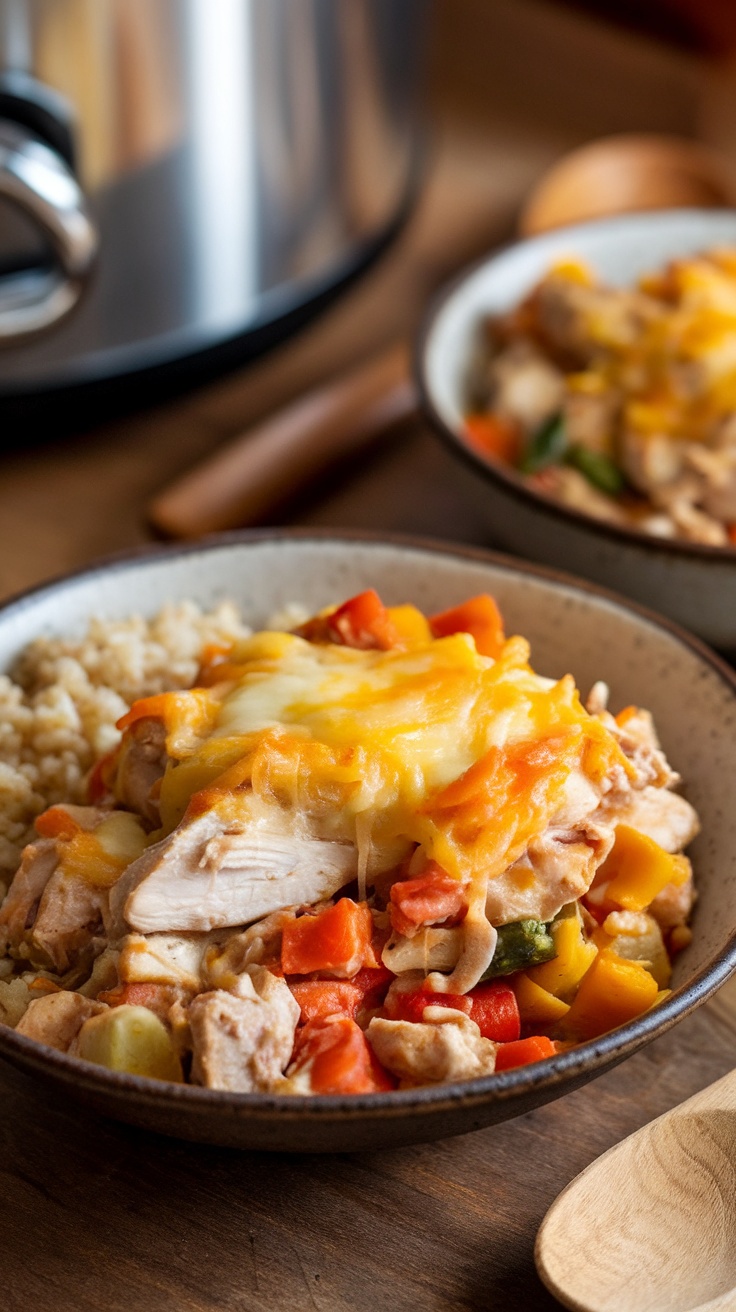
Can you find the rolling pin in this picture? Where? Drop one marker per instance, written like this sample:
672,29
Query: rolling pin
268,463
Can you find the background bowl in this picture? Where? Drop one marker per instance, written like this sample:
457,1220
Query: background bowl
571,627
694,584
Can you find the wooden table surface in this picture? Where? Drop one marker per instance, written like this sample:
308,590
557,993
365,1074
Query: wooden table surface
97,1215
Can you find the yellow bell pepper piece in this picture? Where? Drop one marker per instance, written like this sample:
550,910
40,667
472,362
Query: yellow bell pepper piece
412,626
536,1005
638,869
562,974
613,991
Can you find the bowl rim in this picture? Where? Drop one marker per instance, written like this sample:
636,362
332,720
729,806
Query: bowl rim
583,1061
507,478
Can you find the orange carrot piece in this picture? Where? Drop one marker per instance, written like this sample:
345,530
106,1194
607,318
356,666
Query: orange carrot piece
339,1058
523,1051
432,897
319,998
337,940
480,617
57,823
494,436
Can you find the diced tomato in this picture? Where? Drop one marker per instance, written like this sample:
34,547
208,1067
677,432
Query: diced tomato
373,984
411,1005
432,897
57,823
524,1051
339,1058
495,1011
363,622
480,617
336,940
319,998
495,436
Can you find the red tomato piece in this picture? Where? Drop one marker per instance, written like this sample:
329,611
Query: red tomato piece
339,1057
480,617
524,1051
363,622
411,1005
495,1011
432,897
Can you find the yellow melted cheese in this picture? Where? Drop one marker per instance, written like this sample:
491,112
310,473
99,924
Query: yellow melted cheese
436,745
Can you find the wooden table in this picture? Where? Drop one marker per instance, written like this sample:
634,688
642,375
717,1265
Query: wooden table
99,1216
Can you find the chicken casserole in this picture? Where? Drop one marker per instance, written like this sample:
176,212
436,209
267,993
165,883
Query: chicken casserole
620,402
376,851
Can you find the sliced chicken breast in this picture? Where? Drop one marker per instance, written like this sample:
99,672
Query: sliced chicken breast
205,876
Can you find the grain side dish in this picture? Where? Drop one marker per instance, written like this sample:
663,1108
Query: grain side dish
620,402
355,852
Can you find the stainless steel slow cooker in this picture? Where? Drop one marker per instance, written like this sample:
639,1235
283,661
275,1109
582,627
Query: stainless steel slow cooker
184,181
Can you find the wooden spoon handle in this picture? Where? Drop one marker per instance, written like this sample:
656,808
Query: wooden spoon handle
267,463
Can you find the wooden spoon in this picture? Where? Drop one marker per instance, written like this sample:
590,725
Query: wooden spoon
651,1225
617,175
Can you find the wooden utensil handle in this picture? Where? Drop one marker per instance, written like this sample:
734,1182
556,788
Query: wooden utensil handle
268,462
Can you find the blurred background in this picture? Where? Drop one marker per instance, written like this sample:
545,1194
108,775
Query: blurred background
207,209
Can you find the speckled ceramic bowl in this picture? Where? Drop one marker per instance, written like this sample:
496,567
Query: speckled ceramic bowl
693,584
571,627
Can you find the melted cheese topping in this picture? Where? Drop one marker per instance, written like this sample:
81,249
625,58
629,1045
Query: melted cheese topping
437,745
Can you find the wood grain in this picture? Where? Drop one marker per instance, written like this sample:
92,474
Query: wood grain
98,1215
651,1225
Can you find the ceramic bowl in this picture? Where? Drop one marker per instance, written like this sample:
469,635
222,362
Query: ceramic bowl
571,626
693,584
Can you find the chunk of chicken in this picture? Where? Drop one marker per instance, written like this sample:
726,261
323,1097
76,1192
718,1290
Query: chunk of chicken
57,1018
18,910
673,905
140,767
448,1045
524,386
205,876
660,814
242,1041
557,868
50,915
175,959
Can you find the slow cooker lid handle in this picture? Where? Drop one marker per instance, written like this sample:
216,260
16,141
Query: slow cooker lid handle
35,178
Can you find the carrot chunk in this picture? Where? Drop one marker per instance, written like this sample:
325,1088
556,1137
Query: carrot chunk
494,436
337,940
339,1058
363,622
319,998
495,1011
432,897
56,823
480,617
524,1051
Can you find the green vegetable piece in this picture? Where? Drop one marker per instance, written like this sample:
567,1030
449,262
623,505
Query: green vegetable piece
547,447
522,943
599,470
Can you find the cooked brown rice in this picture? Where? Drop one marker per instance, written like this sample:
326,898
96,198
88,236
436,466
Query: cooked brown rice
59,705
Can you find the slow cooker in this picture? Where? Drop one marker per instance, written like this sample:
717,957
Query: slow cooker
183,182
